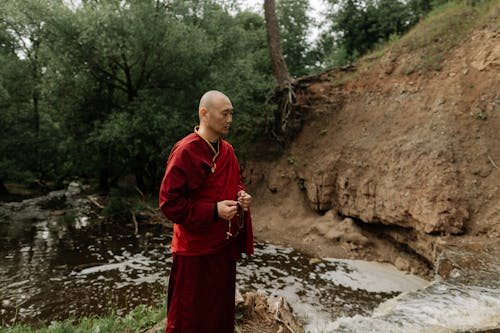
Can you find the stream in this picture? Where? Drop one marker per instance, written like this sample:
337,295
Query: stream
68,263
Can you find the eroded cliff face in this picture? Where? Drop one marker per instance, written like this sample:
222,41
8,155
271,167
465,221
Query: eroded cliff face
411,159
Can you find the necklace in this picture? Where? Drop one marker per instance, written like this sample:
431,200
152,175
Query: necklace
216,152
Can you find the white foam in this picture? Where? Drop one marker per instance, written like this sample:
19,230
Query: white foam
441,307
372,276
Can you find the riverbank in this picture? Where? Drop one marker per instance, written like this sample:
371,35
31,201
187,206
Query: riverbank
60,264
142,319
139,319
395,160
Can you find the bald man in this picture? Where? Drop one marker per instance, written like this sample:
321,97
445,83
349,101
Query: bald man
202,194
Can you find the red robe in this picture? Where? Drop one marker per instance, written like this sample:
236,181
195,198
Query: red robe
202,278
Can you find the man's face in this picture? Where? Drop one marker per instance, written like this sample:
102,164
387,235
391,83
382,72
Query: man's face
219,116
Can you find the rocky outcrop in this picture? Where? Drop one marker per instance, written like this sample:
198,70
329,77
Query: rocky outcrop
414,155
408,187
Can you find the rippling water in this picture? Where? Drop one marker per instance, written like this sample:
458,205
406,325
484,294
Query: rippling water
56,266
322,290
468,301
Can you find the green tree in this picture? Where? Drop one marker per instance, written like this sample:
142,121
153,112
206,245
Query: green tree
119,83
137,70
21,21
29,136
294,27
121,49
9,66
356,26
240,67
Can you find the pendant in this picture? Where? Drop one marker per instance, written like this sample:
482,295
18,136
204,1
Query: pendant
213,168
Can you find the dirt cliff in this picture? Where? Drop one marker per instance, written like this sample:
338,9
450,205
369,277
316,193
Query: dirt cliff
398,155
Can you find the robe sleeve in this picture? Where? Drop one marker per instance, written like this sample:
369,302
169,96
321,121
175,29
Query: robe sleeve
184,174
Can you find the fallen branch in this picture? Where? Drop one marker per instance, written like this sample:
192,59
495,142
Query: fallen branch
136,225
94,201
492,162
140,192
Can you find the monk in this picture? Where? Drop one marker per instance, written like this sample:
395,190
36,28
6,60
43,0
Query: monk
202,194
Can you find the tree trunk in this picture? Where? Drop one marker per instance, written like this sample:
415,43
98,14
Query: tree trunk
280,68
36,99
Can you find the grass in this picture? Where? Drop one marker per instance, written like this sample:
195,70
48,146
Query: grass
441,30
138,320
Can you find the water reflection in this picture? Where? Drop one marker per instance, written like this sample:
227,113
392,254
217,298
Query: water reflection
80,272
54,267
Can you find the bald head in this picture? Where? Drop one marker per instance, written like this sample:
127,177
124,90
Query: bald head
216,114
210,98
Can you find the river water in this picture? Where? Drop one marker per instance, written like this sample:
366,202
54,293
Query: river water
55,266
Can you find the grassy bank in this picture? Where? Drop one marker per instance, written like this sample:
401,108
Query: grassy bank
443,29
140,319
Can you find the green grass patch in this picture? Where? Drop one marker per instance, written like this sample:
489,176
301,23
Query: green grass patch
441,30
138,320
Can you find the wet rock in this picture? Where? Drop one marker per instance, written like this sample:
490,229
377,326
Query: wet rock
343,231
314,261
6,303
402,264
74,188
54,200
53,204
348,232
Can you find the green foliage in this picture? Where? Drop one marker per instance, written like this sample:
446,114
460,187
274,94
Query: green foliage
30,135
118,83
444,28
117,206
357,26
105,89
294,27
138,320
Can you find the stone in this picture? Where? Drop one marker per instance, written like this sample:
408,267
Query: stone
402,264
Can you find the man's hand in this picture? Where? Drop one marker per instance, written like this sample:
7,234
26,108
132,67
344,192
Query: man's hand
227,209
244,200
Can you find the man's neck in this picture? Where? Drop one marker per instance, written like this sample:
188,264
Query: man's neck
207,134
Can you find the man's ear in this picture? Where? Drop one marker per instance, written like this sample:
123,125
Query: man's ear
202,112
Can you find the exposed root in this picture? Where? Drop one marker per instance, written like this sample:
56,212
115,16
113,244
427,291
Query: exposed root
267,314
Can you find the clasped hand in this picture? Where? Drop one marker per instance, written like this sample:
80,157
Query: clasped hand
227,209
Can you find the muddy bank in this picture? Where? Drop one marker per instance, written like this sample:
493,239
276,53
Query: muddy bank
392,165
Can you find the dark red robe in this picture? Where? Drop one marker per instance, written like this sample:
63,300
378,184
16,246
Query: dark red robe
203,274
